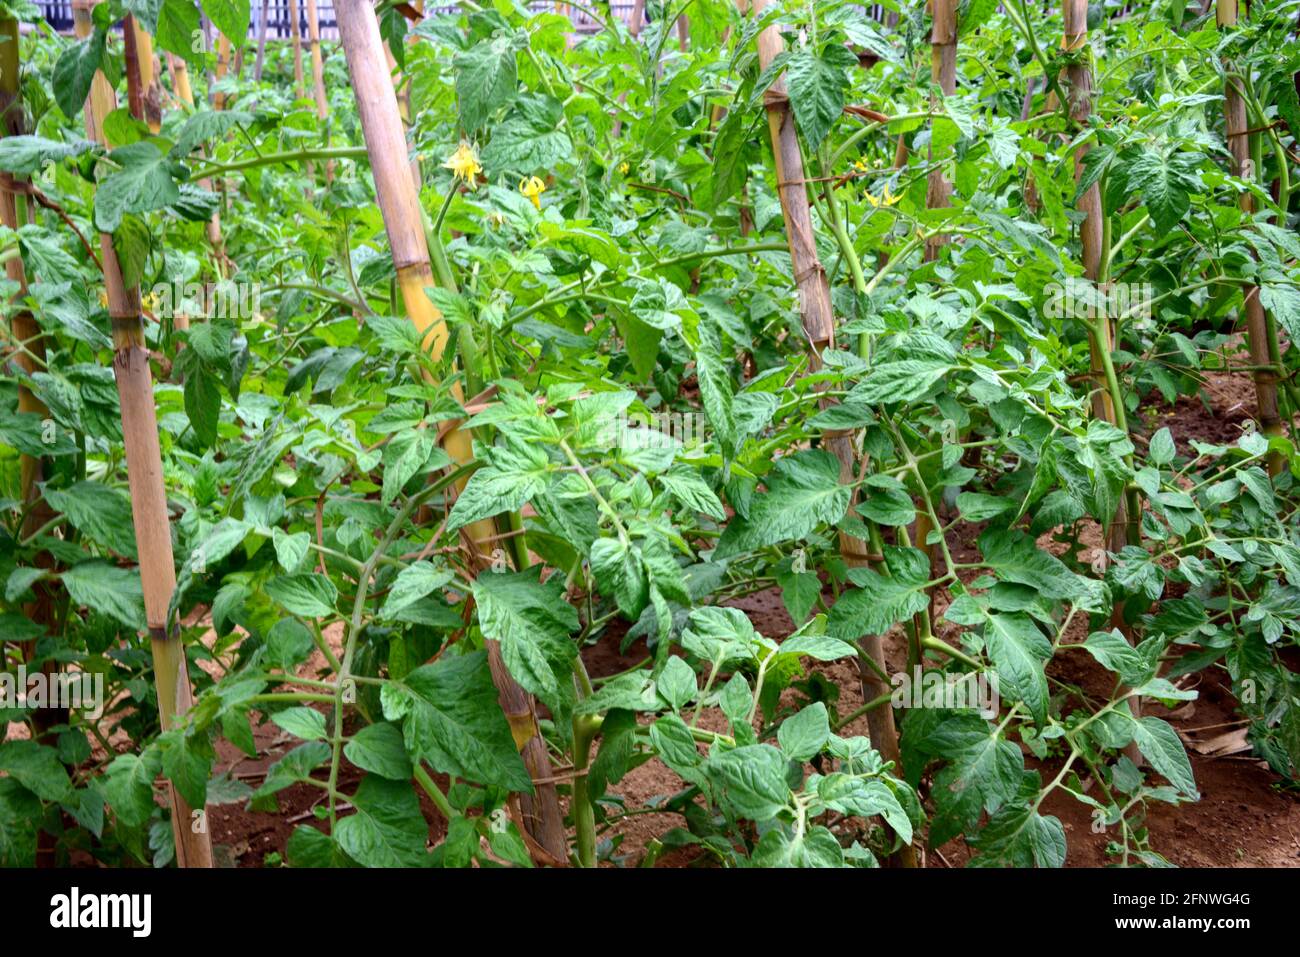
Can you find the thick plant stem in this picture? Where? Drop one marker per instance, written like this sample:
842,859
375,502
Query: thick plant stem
145,479
381,124
1258,339
584,812
819,329
31,359
1107,402
943,74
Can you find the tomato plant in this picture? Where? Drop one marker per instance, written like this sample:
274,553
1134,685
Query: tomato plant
375,390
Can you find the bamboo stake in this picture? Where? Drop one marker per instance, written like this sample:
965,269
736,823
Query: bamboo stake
180,74
295,31
381,125
223,66
819,328
31,359
318,78
181,84
943,73
144,476
1101,335
1257,324
149,86
261,42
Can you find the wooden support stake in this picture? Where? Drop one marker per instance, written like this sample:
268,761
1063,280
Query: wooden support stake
31,359
145,478
1257,325
381,124
819,329
943,73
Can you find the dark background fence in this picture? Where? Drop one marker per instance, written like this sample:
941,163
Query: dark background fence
58,13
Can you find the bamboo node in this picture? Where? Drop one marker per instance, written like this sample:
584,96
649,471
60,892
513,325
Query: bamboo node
773,97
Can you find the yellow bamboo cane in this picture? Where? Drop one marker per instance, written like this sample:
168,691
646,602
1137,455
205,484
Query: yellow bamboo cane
381,124
144,476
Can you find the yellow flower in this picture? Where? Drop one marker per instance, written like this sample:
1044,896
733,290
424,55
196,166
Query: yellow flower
623,168
533,189
497,218
464,164
889,199
860,166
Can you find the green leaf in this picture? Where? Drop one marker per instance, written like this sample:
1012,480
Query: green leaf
818,81
672,741
290,550
231,17
751,781
1113,651
805,734
816,846
202,395
533,623
408,453
109,590
379,748
486,80
1165,182
295,766
900,381
804,491
984,770
310,847
20,817
517,475
451,718
880,601
100,511
1019,649
676,683
307,594
412,583
1015,558
37,768
1162,447
691,490
187,759
529,140
28,154
717,398
1159,744
143,183
302,722
799,591
128,786
178,26
1018,836
620,573
886,502
977,507
387,829
74,72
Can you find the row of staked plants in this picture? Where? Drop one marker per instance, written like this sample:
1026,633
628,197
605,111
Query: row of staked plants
328,367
